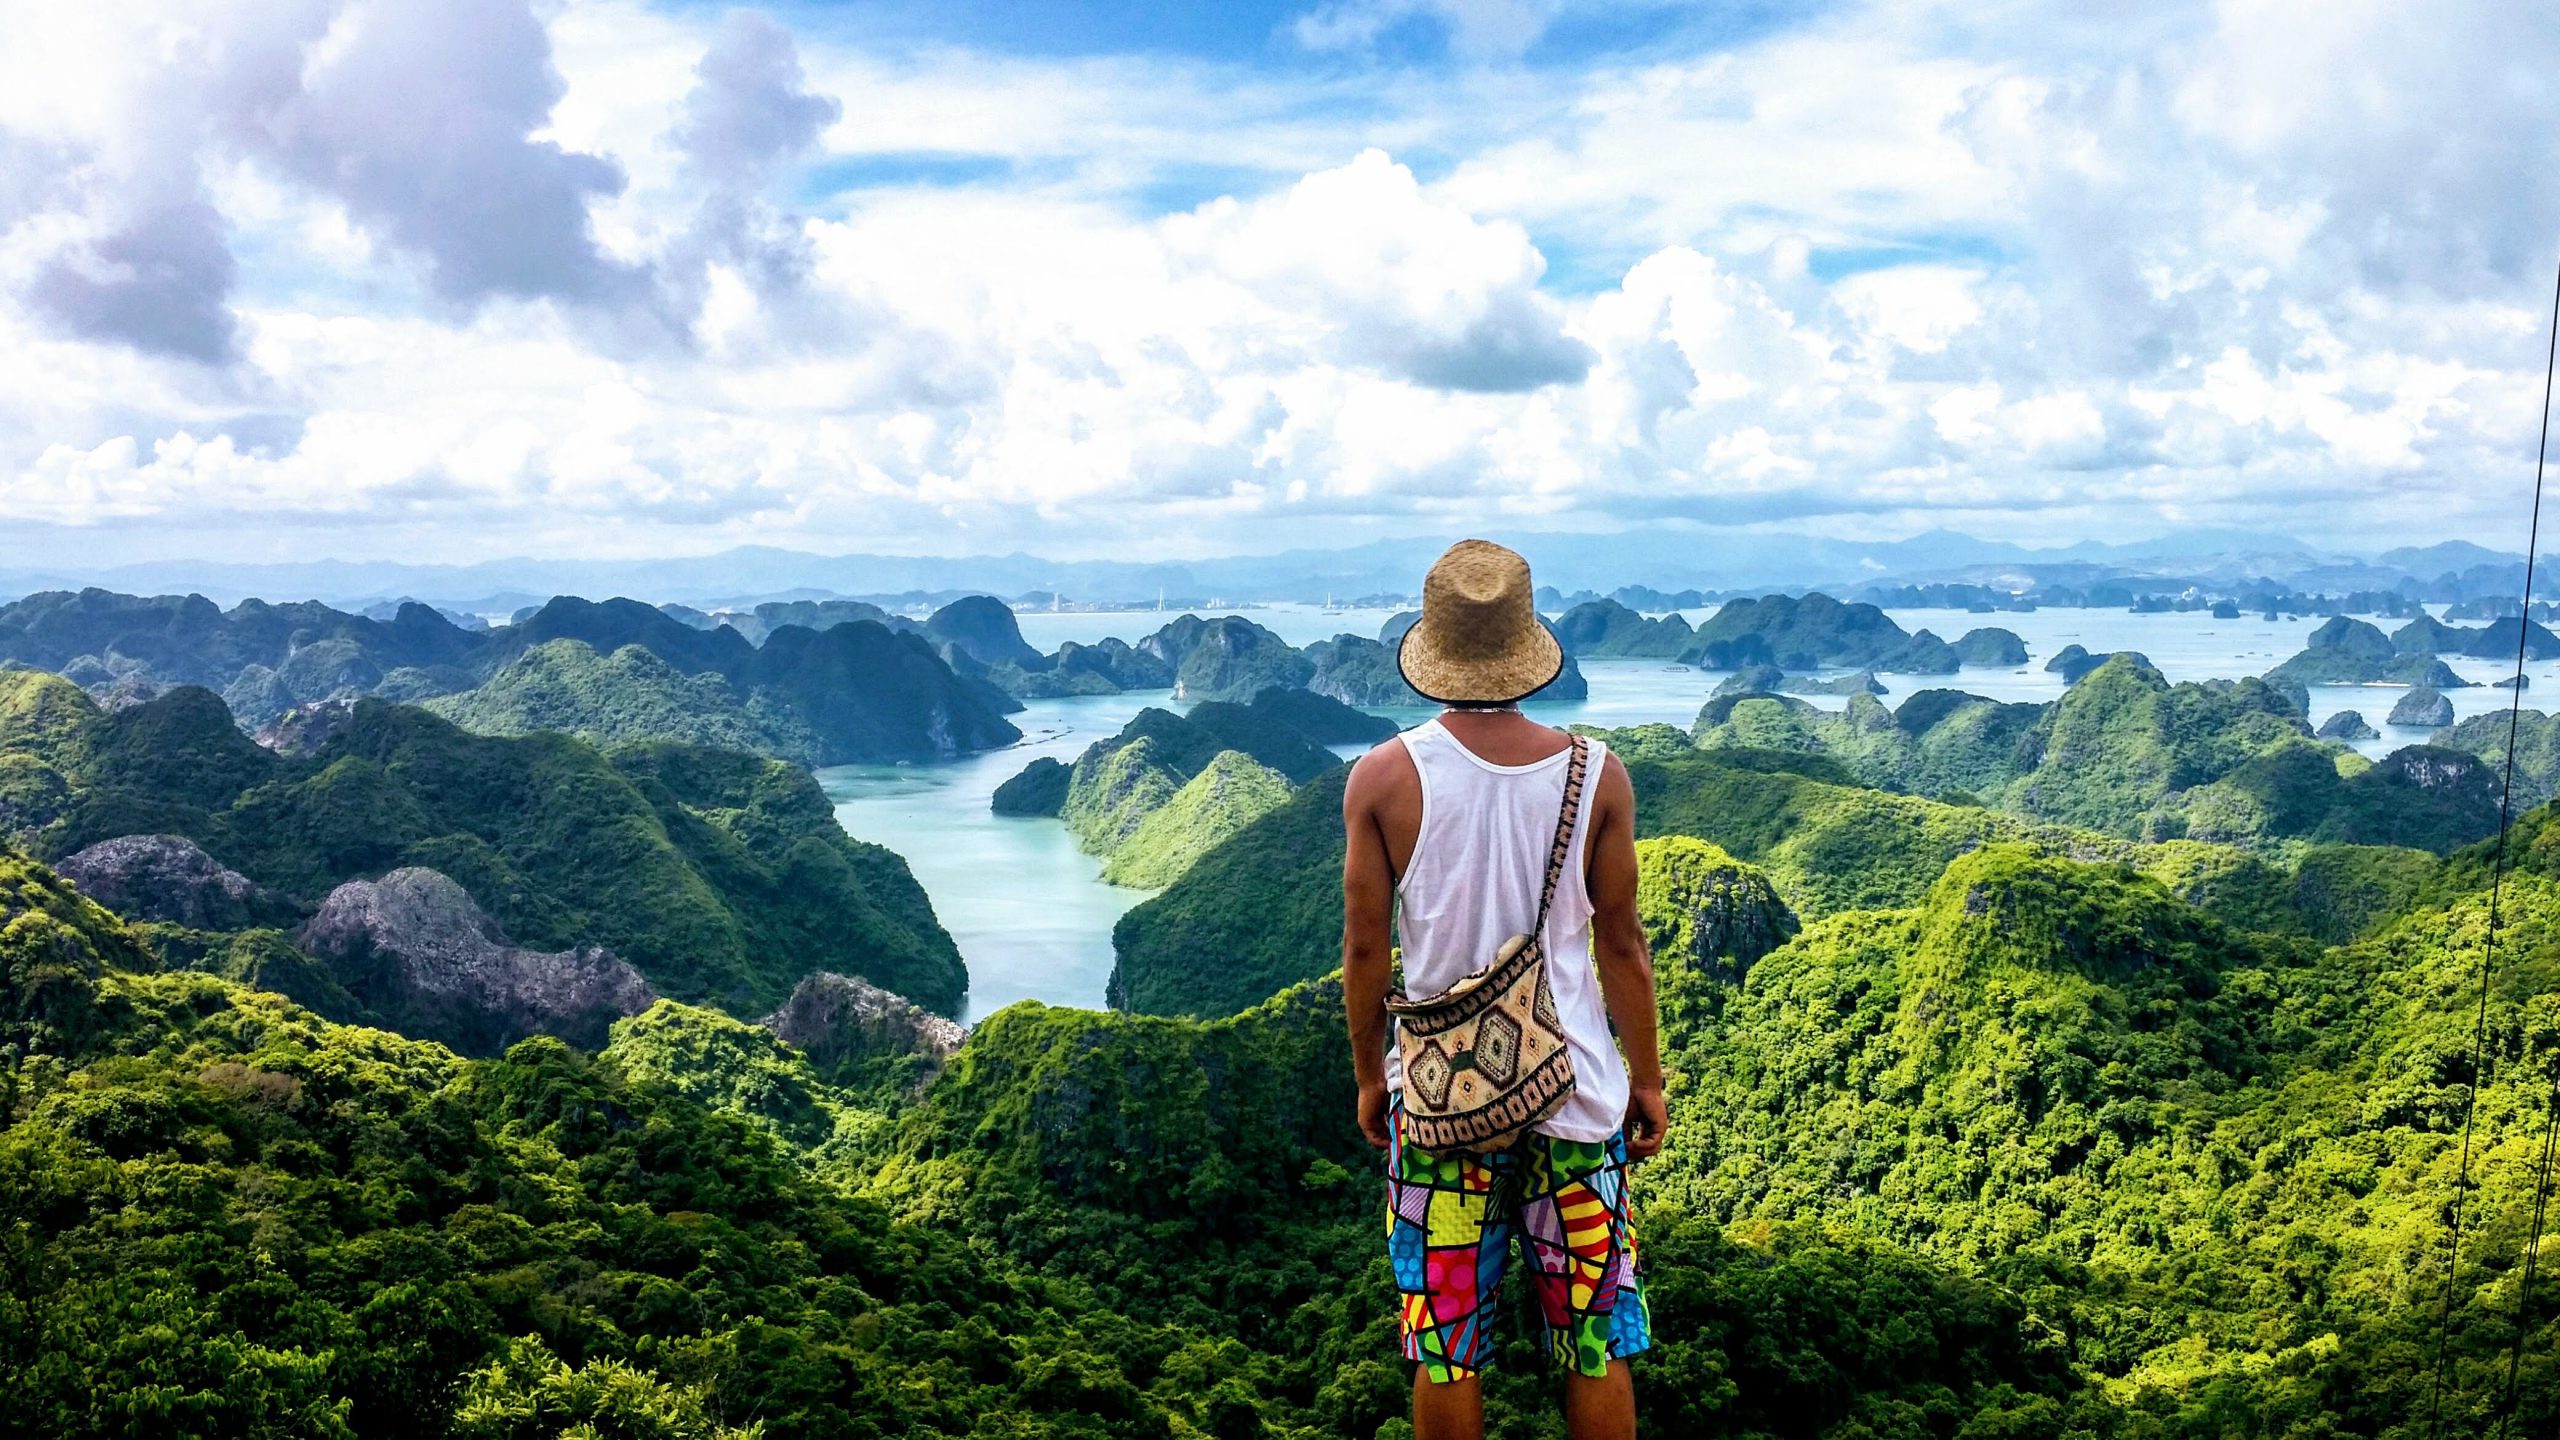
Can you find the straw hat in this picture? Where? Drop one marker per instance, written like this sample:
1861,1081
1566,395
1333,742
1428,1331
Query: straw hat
1479,641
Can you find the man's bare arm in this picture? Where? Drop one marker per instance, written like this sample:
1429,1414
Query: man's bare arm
1368,903
1625,962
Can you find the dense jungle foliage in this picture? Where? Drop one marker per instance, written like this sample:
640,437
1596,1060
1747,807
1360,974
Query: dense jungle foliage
2048,1152
2011,1120
232,1218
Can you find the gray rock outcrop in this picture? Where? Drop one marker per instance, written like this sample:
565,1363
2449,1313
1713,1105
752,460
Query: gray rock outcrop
167,878
415,949
2348,725
841,1022
304,728
2422,706
1705,911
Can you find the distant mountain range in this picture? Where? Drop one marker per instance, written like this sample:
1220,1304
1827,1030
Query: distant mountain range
1669,557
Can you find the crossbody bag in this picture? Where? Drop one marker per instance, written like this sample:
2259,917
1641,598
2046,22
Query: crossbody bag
1485,1061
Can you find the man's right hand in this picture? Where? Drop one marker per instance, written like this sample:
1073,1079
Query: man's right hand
1648,1121
1373,1113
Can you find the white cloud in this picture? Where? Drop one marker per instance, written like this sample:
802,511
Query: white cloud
1840,133
1920,308
1881,269
1383,276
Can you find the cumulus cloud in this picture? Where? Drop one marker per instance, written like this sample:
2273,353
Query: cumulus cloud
2399,126
419,122
750,109
1396,280
450,273
749,114
422,120
159,281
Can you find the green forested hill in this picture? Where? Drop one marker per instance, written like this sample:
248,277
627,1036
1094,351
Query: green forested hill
861,688
2039,1150
1264,910
1209,1173
232,1218
1231,792
1809,632
1156,796
721,876
1258,914
1987,1122
621,698
2537,748
2125,752
2217,1168
2213,1165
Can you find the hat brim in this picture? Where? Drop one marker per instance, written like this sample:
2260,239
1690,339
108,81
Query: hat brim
1529,665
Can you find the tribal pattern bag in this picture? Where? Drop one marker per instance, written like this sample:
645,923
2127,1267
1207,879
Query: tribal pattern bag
1485,1060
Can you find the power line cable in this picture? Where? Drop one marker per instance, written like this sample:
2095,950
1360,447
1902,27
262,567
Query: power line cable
2497,884
2532,1250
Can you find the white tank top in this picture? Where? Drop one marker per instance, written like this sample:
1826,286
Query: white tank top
1473,883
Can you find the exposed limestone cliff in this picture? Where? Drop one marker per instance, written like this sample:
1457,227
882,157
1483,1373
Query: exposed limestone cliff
842,1023
166,878
416,949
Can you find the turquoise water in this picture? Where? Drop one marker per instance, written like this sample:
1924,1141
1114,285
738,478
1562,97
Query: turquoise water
1027,908
1033,919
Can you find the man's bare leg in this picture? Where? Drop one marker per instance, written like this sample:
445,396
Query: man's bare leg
1449,1410
1597,1407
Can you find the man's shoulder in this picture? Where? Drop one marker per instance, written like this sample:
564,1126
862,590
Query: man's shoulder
1597,746
1384,763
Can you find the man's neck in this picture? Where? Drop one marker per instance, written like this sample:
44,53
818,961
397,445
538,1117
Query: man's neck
1493,734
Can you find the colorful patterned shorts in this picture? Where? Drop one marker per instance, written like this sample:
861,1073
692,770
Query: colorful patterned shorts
1450,1221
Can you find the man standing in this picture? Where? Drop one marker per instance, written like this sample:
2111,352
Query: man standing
1451,826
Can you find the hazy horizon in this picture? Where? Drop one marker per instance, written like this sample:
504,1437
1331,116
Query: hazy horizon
2188,540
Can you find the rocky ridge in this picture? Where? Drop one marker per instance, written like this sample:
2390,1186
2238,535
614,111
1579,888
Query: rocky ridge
840,1021
166,878
415,948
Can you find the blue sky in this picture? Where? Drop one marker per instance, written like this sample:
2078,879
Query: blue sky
1380,50
1268,33
440,279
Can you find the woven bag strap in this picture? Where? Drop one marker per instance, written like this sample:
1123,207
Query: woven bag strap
1573,778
